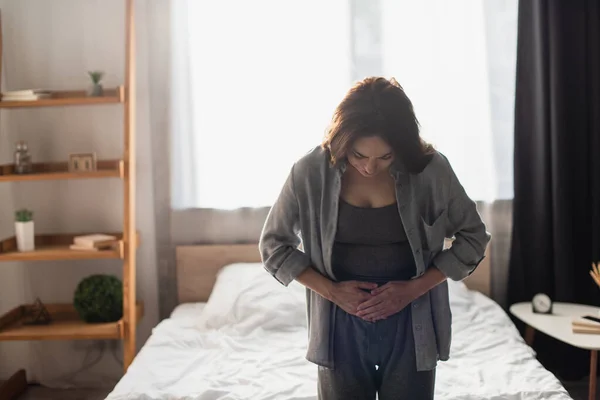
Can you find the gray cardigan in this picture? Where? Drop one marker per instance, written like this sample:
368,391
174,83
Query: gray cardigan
432,205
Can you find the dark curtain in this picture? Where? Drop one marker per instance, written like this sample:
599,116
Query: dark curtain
556,209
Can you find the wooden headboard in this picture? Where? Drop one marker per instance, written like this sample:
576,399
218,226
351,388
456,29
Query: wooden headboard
198,265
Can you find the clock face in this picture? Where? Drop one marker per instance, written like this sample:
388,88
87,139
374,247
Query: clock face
541,303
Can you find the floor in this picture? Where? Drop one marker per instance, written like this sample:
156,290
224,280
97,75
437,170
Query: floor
579,390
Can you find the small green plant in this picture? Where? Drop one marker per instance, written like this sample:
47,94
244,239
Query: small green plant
23,215
96,76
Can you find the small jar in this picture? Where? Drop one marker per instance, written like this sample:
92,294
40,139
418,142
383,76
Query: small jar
22,158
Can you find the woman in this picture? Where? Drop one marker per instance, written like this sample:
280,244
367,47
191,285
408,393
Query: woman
373,205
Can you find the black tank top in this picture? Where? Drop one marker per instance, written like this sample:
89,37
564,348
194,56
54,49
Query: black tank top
371,245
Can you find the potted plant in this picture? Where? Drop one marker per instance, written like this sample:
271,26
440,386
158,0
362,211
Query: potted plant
96,89
24,230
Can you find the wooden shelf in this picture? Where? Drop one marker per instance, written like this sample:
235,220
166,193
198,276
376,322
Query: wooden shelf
70,98
56,247
65,325
60,171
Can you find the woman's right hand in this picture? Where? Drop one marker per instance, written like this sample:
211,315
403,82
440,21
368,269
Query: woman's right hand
348,295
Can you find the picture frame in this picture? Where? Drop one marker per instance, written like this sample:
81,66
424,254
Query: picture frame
82,162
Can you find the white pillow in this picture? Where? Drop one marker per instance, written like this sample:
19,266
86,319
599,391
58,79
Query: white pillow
231,279
187,310
246,297
267,304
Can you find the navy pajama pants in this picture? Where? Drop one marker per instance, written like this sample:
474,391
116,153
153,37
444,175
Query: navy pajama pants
374,358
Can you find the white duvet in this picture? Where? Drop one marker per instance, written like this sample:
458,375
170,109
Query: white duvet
241,347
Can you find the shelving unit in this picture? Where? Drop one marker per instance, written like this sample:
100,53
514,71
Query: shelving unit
66,324
56,247
60,171
70,98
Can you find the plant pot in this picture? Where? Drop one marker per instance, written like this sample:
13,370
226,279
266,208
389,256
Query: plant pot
96,90
25,234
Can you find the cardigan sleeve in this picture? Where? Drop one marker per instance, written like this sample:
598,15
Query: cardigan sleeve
280,237
466,226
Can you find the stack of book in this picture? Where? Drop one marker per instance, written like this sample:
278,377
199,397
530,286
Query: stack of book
25,95
93,242
586,324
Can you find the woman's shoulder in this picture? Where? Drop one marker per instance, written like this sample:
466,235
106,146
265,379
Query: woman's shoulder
438,166
311,171
313,161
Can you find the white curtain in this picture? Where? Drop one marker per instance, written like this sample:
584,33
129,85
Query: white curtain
255,84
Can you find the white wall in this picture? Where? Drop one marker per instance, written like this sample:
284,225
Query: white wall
11,274
52,44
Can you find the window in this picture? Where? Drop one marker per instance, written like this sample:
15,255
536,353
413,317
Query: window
255,85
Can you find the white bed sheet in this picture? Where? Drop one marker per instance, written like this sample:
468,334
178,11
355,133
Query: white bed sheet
489,360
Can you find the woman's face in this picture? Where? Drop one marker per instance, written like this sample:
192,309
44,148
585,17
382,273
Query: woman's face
370,156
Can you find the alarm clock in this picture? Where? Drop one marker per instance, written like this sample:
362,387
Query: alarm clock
541,304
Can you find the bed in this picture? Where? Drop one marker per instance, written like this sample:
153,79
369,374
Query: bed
225,341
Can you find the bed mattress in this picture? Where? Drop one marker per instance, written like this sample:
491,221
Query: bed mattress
489,360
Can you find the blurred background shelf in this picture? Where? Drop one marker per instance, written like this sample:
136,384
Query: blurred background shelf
56,247
65,325
60,171
70,98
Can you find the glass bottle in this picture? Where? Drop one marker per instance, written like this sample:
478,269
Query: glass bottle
22,158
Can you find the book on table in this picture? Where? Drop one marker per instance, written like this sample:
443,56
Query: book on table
586,324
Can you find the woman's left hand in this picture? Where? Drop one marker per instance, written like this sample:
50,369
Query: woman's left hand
388,300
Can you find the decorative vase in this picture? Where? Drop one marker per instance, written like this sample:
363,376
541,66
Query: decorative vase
96,90
24,232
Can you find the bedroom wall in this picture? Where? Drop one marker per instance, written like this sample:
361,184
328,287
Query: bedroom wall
52,44
11,274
